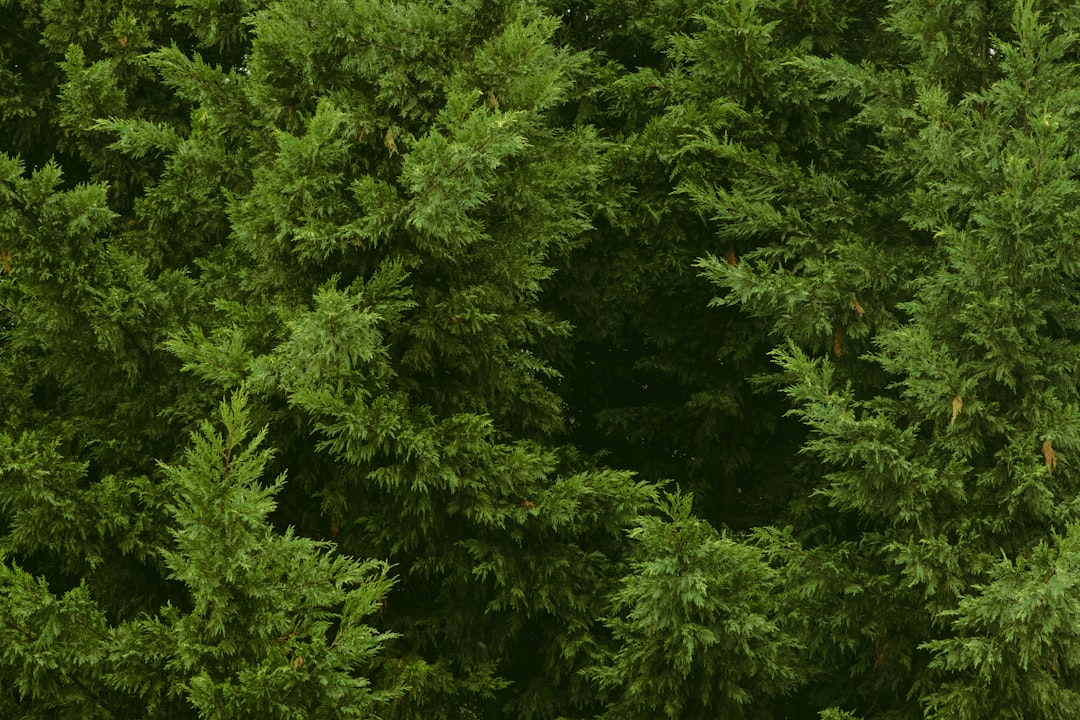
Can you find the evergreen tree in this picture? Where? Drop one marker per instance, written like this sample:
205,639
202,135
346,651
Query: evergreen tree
348,209
258,623
696,624
946,489
455,263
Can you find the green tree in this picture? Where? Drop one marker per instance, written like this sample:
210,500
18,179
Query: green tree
695,620
350,210
458,260
257,624
947,488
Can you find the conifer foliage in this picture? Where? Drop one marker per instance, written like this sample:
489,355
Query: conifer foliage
949,481
345,213
258,624
478,359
